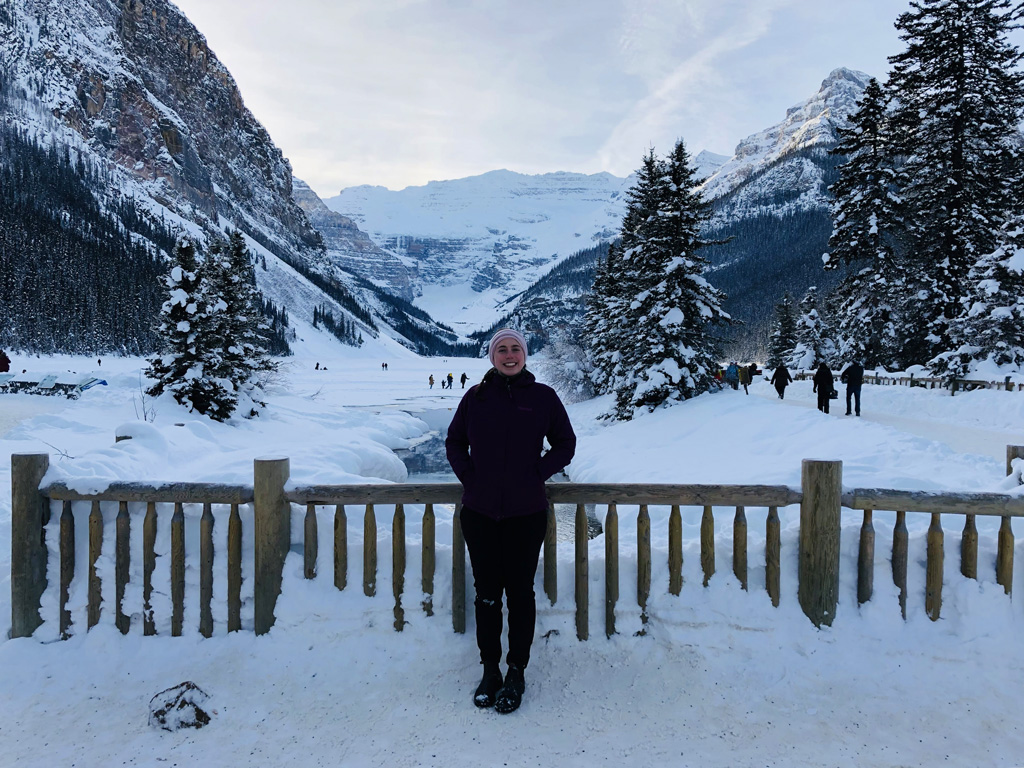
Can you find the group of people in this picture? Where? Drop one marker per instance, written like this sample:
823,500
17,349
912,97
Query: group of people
735,374
824,385
447,382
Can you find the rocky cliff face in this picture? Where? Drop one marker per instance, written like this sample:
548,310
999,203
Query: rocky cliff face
352,249
134,84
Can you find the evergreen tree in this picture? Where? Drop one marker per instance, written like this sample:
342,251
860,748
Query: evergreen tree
658,308
960,102
190,360
604,321
783,340
814,344
992,328
867,229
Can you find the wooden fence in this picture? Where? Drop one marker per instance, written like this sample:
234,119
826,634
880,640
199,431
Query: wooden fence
821,498
928,382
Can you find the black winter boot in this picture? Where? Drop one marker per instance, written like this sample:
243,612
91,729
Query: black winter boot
489,686
511,694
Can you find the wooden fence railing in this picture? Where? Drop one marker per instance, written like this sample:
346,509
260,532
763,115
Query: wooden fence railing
821,500
928,382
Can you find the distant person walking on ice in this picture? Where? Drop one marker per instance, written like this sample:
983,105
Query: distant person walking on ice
464,379
824,385
853,378
451,380
431,380
781,379
495,445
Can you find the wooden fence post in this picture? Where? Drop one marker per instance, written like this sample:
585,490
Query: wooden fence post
818,588
1013,452
271,537
29,513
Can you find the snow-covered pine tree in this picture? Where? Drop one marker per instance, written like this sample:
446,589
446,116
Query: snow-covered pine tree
190,357
956,119
783,339
992,329
867,226
674,309
237,326
814,344
602,322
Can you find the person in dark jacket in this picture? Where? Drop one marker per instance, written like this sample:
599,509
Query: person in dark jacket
824,385
495,446
781,378
853,378
5,362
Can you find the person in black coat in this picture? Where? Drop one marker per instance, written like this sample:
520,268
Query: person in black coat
824,385
781,378
495,446
853,378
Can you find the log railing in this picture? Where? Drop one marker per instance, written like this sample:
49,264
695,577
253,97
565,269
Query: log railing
272,498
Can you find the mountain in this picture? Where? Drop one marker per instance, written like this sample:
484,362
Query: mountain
125,103
472,243
769,201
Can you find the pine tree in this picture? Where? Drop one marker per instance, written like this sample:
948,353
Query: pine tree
661,309
960,102
783,340
992,329
190,359
868,226
814,344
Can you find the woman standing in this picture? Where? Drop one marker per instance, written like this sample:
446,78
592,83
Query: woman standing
495,446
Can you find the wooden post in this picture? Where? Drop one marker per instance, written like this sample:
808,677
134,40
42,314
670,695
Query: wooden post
818,586
1013,452
340,547
122,565
900,549
551,556
773,555
234,570
398,564
148,566
866,559
29,515
933,569
206,571
458,573
1004,556
67,565
969,548
310,542
95,550
429,559
271,537
177,570
739,547
643,561
675,551
707,544
582,575
369,552
611,568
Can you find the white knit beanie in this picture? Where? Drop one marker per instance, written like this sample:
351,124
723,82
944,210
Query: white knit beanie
497,338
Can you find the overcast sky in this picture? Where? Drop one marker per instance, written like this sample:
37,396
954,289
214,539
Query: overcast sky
402,92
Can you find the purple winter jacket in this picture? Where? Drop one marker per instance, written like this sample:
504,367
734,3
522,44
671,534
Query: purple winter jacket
495,441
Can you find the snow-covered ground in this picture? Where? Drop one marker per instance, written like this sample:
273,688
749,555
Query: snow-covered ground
721,678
